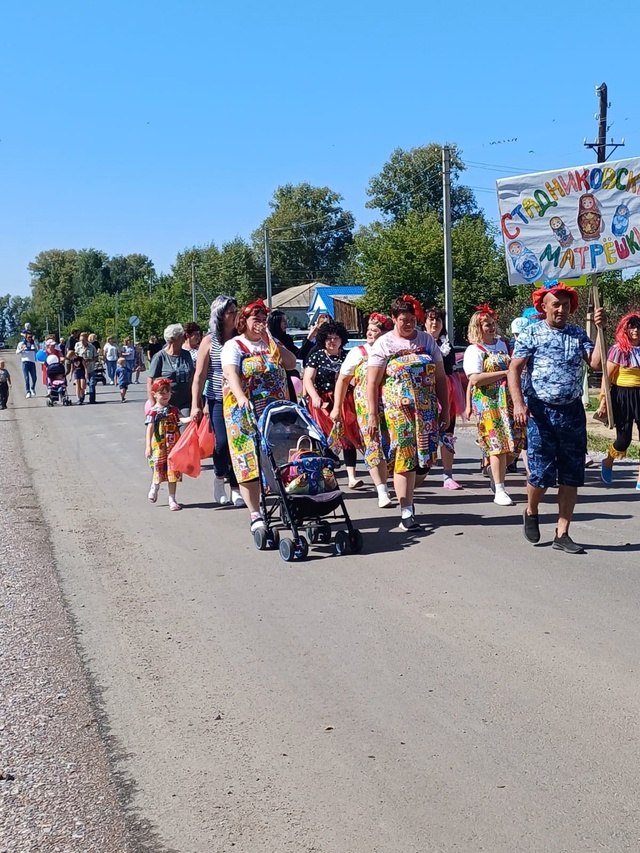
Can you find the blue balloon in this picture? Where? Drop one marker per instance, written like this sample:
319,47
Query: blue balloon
41,356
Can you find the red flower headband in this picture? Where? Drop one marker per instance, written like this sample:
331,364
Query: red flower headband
486,310
160,383
259,303
381,320
417,307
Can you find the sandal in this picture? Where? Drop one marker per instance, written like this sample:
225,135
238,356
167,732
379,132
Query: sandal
357,484
153,494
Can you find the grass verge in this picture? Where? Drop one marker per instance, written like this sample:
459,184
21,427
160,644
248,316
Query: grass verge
601,444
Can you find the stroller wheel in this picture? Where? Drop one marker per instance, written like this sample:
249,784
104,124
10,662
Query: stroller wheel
341,543
355,541
49,401
260,538
313,534
324,533
287,550
302,548
273,538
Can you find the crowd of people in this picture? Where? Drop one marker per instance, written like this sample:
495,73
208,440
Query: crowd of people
394,399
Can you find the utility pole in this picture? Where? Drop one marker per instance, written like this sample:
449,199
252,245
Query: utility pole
448,262
267,265
194,301
116,318
600,148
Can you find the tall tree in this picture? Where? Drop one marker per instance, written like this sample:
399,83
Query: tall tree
91,275
310,235
123,270
53,282
412,181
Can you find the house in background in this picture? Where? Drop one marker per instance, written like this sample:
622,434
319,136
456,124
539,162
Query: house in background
338,303
295,301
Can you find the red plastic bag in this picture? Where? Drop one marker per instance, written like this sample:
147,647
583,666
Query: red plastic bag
206,438
185,453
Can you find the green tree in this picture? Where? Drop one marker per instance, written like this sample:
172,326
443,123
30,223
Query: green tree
53,282
412,181
310,235
123,270
91,276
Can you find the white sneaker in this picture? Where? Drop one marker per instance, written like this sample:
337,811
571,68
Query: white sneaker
220,491
384,500
27,395
33,393
236,498
502,499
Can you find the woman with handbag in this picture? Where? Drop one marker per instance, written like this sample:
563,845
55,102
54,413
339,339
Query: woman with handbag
254,367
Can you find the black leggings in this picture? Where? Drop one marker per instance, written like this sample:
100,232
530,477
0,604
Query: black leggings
624,436
221,458
350,456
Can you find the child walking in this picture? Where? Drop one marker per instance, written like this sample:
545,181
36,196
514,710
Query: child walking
163,429
123,378
5,384
79,372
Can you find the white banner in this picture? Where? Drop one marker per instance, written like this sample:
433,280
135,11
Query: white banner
571,222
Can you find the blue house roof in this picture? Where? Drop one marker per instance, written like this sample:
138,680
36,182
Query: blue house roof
325,294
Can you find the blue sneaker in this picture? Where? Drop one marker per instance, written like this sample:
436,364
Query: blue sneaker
606,474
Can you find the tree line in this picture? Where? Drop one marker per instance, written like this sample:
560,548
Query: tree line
312,238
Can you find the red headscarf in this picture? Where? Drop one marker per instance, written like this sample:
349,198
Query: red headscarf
538,295
621,337
381,320
259,303
417,307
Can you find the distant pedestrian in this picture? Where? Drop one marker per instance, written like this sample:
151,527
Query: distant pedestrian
192,340
27,350
127,352
111,358
163,429
89,355
5,385
138,362
153,346
122,378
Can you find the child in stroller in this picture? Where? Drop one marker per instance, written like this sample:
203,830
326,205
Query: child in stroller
56,383
297,481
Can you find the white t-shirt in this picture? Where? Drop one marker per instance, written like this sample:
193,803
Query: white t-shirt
353,359
473,356
110,352
233,354
390,344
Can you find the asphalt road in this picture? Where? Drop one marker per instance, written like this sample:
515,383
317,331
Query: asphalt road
456,690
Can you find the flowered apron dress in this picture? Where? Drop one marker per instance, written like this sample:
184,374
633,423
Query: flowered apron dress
411,410
373,451
264,381
493,409
166,431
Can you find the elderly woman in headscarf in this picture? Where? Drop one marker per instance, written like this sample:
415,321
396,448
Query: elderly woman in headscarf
222,328
352,386
254,367
173,363
407,365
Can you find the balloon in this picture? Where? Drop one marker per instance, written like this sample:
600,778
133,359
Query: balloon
52,359
41,356
147,407
297,384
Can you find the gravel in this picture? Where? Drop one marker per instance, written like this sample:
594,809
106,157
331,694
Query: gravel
57,791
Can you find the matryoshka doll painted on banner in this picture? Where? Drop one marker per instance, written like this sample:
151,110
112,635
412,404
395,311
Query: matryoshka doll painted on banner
620,221
562,233
589,217
525,262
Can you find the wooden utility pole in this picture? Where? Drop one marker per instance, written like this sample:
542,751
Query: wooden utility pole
446,220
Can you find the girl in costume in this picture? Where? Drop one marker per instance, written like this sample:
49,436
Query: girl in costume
407,364
254,368
319,382
486,363
435,325
623,369
353,375
163,430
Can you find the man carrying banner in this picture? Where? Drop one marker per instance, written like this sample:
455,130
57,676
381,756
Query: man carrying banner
548,400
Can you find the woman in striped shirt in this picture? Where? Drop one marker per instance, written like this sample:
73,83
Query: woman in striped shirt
222,327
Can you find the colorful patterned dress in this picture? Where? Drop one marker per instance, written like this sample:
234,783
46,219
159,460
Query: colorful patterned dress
166,431
374,451
264,381
493,409
411,410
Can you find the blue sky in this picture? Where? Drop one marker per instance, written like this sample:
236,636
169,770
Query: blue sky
151,126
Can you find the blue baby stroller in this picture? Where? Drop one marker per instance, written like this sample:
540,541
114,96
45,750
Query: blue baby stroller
297,482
